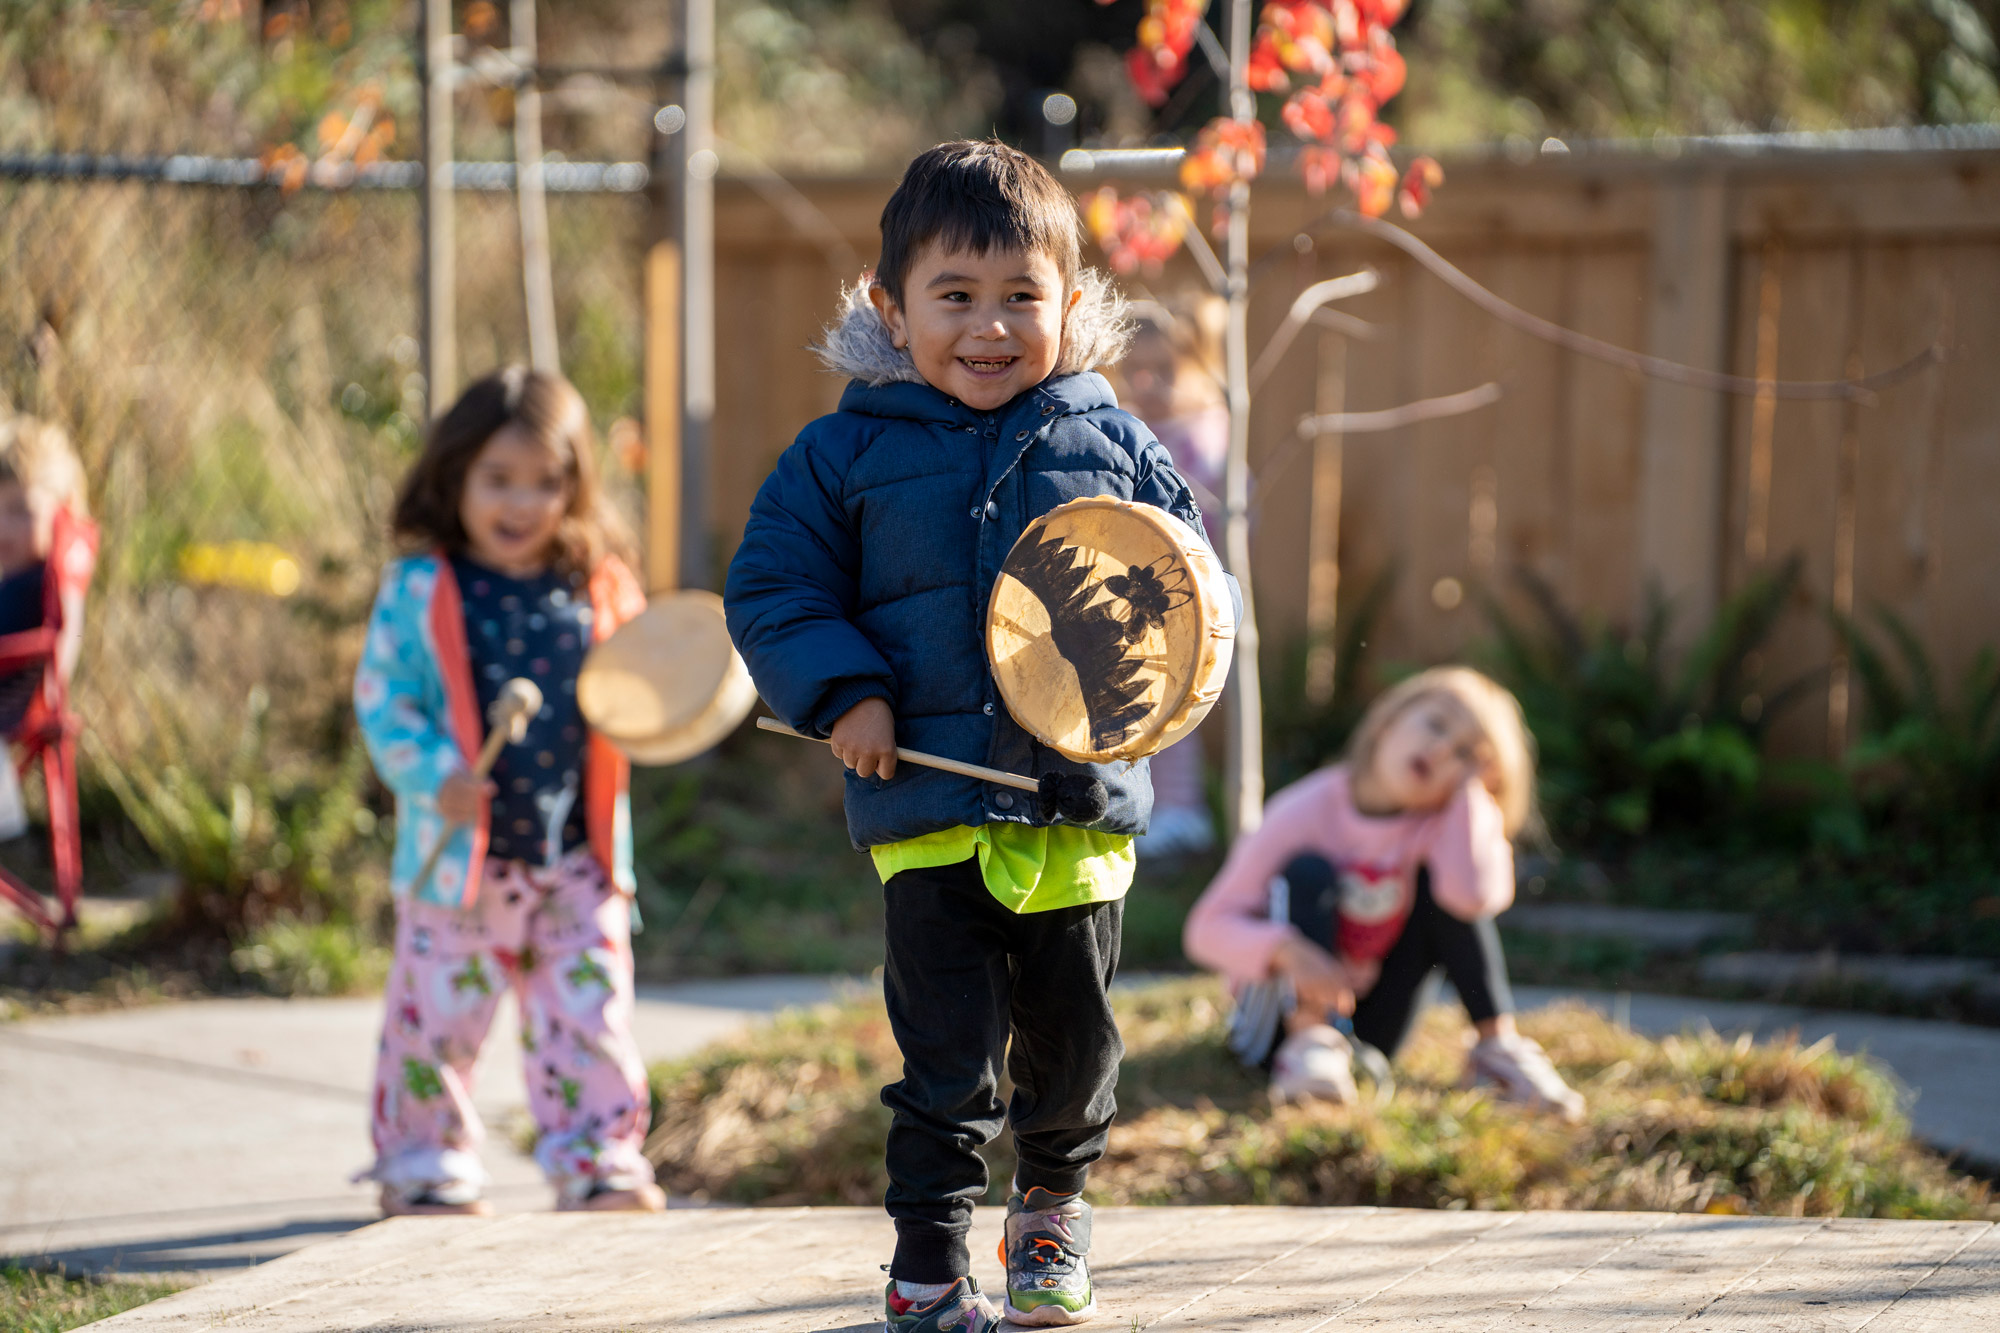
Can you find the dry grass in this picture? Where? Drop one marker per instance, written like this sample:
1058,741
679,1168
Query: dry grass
34,1301
791,1114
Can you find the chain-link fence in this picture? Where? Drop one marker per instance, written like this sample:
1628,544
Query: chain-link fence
238,368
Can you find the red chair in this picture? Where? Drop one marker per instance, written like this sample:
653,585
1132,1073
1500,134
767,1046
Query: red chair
47,730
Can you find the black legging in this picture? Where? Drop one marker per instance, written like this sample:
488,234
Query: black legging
1468,951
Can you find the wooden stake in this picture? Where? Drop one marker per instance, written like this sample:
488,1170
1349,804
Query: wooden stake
1243,771
1323,530
1763,410
663,416
537,282
440,285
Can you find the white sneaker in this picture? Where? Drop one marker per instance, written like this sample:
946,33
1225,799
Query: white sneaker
1314,1064
1519,1069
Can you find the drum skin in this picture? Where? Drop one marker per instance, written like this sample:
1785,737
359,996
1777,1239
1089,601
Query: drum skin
1109,629
668,684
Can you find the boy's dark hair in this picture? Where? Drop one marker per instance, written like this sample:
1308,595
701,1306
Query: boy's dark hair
550,409
976,195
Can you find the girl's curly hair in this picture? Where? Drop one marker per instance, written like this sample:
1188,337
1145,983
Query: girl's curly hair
549,408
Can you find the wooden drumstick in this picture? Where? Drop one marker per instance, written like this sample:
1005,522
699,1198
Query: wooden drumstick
1077,797
964,770
506,721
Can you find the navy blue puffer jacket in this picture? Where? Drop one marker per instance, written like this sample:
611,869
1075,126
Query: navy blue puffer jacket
871,549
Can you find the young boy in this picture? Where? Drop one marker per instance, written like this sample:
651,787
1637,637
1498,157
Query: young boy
857,598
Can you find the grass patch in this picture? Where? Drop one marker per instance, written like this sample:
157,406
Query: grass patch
790,1114
38,1301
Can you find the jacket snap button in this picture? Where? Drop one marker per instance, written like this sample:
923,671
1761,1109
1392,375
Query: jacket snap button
988,710
993,510
1048,408
972,430
1005,800
1020,435
977,511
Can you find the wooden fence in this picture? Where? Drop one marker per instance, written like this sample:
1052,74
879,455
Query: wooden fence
1794,264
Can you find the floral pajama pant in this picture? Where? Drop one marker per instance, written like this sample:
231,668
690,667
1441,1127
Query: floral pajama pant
562,940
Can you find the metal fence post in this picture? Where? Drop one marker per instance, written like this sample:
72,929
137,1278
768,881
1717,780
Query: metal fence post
440,274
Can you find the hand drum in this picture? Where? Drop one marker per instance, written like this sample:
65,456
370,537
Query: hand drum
1109,630
667,684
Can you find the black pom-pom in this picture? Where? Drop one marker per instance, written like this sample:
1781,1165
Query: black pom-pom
1078,797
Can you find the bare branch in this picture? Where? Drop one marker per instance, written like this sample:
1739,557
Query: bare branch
1198,246
1303,307
1347,325
1860,390
1362,423
1211,46
1391,418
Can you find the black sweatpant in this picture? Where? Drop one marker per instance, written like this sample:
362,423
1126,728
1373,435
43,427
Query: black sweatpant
1467,951
963,973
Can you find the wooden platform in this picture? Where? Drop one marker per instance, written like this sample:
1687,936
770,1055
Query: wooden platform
1288,1270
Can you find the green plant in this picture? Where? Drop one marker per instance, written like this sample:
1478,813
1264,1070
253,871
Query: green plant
1928,761
1630,741
290,956
1302,733
249,852
38,1301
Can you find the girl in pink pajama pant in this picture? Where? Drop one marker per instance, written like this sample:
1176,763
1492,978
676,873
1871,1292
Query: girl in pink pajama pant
532,888
561,940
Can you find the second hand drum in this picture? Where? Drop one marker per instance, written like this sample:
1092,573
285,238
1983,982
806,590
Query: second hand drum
1110,630
668,684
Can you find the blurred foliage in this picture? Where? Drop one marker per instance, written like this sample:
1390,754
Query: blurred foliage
1485,69
216,76
1630,740
258,863
822,86
792,1114
1928,763
1303,732
839,85
1658,790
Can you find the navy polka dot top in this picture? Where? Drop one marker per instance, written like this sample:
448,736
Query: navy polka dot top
538,628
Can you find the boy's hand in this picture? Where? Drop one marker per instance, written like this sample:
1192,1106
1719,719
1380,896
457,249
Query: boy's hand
461,798
1322,984
865,739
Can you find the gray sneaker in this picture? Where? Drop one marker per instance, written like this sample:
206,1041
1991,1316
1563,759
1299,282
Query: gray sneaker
1046,1251
960,1310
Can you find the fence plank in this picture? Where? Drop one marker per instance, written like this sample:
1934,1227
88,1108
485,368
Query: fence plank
1603,427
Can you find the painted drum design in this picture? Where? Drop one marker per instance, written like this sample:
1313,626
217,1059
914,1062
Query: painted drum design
1109,629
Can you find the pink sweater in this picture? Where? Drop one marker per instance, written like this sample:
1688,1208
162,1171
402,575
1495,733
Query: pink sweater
1464,844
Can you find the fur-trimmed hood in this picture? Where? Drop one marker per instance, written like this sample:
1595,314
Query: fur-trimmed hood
857,345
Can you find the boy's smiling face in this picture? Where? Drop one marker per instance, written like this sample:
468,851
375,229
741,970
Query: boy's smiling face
981,328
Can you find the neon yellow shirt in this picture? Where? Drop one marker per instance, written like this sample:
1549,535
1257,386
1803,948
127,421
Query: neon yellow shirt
1026,869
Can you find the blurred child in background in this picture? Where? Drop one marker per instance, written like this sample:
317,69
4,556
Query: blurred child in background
1171,379
1367,876
42,502
515,575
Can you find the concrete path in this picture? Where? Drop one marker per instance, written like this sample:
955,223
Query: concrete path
1287,1270
222,1133
218,1134
1952,1070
